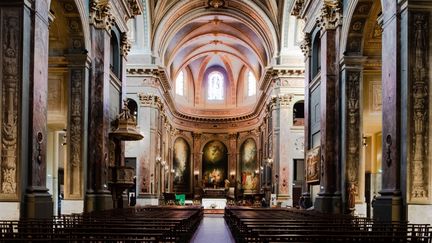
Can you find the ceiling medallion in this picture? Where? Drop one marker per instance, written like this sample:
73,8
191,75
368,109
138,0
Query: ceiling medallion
216,3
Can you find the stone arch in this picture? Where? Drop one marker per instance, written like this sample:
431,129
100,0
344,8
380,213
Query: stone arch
361,72
69,44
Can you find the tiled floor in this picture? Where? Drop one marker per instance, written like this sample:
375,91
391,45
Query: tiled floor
213,229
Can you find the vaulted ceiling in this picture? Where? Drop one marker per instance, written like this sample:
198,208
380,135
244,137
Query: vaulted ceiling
233,34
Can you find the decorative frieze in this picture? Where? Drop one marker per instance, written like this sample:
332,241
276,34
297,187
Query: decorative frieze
353,137
331,14
100,14
420,100
151,100
10,87
74,168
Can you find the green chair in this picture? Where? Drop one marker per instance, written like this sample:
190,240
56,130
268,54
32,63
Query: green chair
180,198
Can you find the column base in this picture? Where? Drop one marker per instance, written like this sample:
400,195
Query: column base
97,202
388,206
328,203
37,205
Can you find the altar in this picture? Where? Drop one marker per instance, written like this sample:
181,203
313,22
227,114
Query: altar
214,193
214,198
214,203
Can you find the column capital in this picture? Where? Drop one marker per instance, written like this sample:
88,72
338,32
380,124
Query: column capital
331,15
150,100
305,45
125,45
101,14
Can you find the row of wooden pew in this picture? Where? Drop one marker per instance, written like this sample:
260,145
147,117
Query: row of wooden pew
141,224
293,225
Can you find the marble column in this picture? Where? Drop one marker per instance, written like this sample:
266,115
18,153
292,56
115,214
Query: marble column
284,170
37,201
232,157
149,148
388,206
351,107
98,197
305,46
329,199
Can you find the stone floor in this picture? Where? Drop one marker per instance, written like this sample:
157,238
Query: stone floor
212,229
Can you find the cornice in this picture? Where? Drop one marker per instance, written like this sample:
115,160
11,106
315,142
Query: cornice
245,121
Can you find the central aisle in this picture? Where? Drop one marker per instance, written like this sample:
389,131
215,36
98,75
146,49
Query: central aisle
213,229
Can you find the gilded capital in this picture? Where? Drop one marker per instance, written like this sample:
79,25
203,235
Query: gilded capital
331,15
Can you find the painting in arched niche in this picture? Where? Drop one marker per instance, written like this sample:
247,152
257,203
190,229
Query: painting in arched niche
248,159
181,165
215,164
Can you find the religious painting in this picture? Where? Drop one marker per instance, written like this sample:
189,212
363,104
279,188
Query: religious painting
313,165
248,158
181,165
214,164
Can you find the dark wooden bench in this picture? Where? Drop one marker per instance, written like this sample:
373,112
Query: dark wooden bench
289,225
144,224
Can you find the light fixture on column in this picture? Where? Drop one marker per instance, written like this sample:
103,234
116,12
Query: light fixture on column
158,159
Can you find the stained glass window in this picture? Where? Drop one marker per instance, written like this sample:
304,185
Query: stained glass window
180,83
215,86
251,84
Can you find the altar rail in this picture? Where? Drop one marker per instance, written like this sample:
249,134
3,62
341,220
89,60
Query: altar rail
292,225
143,224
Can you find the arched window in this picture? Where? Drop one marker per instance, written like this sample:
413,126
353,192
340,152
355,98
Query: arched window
298,115
251,84
115,55
180,83
316,56
133,108
215,82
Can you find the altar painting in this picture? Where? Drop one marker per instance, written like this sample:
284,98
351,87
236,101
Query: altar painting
248,158
181,164
215,164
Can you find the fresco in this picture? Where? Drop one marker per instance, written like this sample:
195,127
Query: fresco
181,165
248,159
215,164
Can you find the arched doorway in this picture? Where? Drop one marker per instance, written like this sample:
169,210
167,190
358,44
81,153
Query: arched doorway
362,108
66,107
